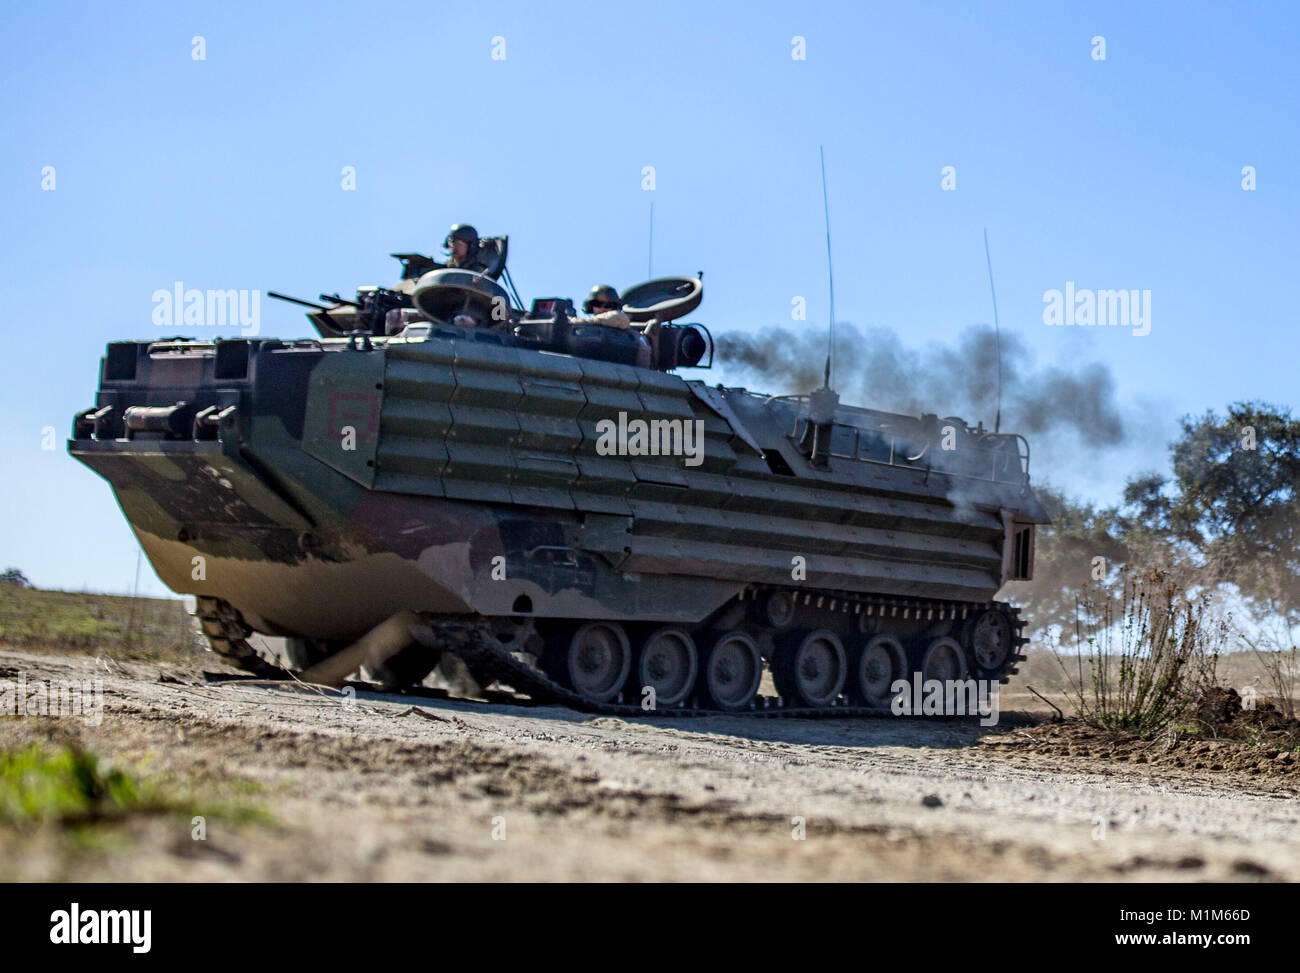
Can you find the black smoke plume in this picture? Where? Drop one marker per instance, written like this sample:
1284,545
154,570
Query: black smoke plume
873,369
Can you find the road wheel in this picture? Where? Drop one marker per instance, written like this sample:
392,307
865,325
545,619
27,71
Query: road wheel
594,661
875,666
505,634
944,660
810,669
730,670
667,661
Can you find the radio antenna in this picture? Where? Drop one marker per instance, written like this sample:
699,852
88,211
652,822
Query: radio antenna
997,331
650,258
830,273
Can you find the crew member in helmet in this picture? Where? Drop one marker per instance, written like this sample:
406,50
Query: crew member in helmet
603,306
463,250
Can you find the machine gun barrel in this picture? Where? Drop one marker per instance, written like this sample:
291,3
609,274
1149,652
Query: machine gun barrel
339,300
294,300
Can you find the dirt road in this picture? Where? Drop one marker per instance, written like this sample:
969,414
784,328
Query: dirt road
374,790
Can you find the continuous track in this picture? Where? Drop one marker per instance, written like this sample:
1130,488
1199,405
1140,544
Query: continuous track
471,638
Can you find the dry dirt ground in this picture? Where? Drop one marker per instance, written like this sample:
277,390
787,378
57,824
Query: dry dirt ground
467,791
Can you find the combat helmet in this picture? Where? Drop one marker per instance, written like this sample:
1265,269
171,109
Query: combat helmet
463,231
603,293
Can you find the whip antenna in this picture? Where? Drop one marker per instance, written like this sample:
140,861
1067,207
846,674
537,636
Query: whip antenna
830,273
997,331
650,257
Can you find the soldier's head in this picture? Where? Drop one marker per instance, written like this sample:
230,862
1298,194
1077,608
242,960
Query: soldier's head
462,242
602,298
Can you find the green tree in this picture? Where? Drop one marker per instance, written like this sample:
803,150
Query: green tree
1232,502
15,577
1228,512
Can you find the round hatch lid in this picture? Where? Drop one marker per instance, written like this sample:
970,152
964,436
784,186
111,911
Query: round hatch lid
663,299
443,294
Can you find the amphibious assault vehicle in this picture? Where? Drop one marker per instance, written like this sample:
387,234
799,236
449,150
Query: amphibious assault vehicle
443,473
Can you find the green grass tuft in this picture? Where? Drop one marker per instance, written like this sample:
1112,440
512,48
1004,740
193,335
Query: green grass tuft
71,787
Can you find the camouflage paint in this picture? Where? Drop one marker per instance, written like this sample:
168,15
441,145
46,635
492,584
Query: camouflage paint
471,459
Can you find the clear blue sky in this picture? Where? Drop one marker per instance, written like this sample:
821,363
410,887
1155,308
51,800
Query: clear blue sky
225,173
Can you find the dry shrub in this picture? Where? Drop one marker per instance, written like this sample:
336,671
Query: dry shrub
1144,653
1270,642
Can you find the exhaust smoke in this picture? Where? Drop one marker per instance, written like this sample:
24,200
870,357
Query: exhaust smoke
873,369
